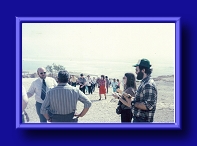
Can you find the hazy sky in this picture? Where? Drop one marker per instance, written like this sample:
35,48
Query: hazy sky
102,41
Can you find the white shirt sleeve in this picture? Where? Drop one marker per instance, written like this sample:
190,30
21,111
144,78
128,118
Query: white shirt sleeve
31,90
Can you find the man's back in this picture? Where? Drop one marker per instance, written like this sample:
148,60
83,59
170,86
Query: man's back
63,99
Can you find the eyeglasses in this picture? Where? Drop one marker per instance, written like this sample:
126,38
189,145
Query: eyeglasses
43,73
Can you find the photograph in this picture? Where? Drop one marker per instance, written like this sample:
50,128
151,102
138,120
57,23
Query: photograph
98,72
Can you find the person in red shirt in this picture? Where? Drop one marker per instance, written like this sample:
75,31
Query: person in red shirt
102,86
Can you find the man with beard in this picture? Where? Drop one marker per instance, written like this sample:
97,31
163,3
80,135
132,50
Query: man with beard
40,87
144,104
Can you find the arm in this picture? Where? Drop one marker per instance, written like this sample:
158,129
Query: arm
150,95
140,105
45,106
31,90
87,103
127,102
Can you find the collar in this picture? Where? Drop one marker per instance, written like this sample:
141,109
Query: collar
63,84
145,79
42,79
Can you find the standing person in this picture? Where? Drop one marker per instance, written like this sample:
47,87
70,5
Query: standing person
102,85
61,101
125,100
89,84
82,82
40,87
118,84
24,104
114,85
144,104
73,81
93,84
107,83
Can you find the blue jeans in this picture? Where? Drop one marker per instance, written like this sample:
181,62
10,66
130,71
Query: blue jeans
41,116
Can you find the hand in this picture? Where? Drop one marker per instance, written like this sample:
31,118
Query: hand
115,95
77,115
49,120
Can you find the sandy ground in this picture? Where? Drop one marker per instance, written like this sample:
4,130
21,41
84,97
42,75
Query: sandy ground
104,111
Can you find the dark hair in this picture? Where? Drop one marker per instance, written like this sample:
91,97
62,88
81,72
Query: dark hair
103,77
106,77
63,76
81,74
148,71
117,80
131,81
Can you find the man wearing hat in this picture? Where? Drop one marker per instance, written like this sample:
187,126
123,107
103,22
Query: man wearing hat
144,104
61,101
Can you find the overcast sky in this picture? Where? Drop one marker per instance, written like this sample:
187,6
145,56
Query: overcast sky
81,41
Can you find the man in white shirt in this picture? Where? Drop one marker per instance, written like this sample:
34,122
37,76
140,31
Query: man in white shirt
40,87
24,102
89,84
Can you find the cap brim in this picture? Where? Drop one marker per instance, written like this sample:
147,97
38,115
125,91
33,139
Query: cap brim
136,65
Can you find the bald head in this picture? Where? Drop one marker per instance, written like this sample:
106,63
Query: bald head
41,71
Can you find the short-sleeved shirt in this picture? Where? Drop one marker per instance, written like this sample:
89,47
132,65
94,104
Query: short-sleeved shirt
101,82
114,84
146,94
63,100
82,80
88,81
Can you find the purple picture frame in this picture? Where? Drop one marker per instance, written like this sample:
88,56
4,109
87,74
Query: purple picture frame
176,125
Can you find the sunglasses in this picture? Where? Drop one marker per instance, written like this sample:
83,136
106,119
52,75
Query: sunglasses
43,73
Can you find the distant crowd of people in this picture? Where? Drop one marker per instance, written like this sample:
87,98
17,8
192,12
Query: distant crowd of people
56,101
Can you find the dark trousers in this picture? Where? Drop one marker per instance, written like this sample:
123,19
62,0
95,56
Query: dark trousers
93,87
90,89
107,89
126,115
73,84
82,89
63,118
41,116
140,119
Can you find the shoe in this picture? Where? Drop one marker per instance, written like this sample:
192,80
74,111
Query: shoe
99,99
